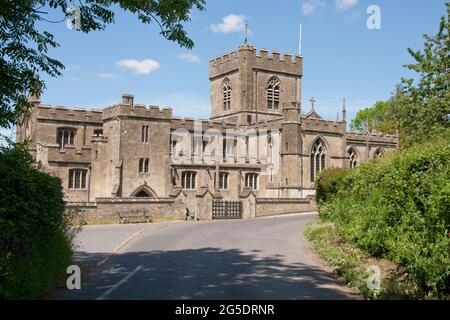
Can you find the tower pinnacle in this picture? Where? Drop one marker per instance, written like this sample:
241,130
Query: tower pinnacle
344,111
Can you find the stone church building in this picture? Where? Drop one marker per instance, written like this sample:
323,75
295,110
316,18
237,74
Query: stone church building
257,155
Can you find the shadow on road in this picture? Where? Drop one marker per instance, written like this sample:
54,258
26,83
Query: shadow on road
206,273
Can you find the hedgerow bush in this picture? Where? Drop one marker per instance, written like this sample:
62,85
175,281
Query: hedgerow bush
398,208
35,242
330,181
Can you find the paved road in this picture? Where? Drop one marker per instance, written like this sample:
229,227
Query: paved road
247,259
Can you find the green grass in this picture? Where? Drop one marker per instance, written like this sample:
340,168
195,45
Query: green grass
351,263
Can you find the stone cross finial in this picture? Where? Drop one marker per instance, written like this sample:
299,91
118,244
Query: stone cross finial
312,100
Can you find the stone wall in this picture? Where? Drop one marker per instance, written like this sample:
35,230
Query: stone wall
106,209
273,207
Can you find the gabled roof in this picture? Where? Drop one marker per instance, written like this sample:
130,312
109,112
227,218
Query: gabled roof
313,114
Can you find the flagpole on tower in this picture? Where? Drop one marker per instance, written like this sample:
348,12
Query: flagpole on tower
300,41
246,33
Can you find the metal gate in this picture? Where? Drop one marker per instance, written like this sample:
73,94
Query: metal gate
227,209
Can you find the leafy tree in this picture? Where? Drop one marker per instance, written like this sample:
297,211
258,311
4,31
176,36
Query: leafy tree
432,64
24,48
372,118
420,109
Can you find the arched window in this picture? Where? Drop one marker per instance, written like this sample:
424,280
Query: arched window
273,93
226,90
318,158
378,153
353,157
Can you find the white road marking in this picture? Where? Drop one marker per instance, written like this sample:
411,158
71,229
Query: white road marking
118,284
119,247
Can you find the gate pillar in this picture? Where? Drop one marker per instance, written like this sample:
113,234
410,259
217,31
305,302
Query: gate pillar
248,198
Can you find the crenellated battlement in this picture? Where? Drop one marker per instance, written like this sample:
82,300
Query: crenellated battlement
80,115
224,58
372,136
274,61
263,60
137,111
64,114
314,124
228,63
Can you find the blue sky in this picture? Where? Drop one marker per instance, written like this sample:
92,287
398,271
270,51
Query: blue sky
342,57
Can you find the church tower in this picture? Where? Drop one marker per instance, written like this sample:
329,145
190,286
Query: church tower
247,86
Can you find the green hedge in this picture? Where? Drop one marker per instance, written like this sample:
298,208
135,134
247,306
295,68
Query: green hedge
330,181
34,239
398,208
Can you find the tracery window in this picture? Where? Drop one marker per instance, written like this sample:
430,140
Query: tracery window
318,158
226,90
273,93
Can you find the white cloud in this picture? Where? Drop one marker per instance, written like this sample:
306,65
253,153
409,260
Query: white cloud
106,75
146,66
309,7
346,4
230,23
72,67
189,57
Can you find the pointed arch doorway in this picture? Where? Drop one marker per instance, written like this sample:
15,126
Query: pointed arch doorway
144,192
